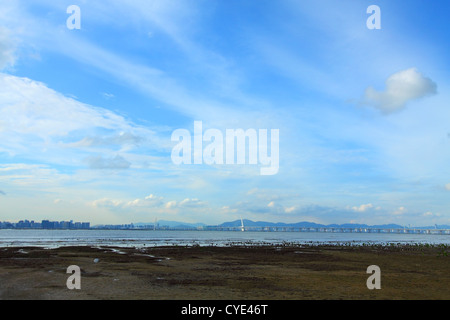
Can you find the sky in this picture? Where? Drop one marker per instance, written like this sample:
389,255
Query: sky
90,100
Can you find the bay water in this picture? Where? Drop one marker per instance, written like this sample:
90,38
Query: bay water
152,238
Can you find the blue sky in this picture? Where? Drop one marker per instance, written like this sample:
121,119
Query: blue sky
86,115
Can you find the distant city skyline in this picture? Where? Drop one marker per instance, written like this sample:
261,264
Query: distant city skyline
91,93
44,224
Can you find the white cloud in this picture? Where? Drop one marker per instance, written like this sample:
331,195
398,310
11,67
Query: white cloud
134,203
30,175
125,139
150,201
173,20
363,207
105,202
171,204
191,203
401,88
153,197
40,123
447,186
400,211
430,214
108,96
7,49
289,209
30,107
98,162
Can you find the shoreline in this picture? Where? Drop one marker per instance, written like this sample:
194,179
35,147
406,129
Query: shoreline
246,272
140,244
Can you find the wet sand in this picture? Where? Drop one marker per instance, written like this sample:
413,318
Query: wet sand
315,272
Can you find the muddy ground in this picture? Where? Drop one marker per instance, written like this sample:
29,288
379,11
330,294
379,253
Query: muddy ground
215,273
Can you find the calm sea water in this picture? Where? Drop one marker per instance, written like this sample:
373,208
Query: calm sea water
148,238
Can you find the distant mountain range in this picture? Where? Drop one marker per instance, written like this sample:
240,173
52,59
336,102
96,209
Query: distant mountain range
303,224
306,224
